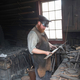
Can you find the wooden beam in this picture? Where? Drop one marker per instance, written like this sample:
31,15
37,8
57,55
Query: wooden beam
36,18
20,24
31,12
18,3
16,8
27,12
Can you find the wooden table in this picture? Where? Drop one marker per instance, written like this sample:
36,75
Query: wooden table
60,74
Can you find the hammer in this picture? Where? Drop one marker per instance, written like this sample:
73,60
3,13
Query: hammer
60,47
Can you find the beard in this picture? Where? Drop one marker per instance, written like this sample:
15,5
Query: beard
40,29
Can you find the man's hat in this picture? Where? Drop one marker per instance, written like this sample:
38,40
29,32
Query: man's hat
44,20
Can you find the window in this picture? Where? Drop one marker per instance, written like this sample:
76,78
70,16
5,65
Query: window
52,11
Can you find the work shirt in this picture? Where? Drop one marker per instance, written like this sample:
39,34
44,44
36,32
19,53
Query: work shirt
32,40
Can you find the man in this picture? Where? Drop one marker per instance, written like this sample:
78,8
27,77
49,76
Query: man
39,47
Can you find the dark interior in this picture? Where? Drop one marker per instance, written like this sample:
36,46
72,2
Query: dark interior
18,17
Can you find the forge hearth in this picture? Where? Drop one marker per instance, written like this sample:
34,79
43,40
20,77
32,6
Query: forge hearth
15,64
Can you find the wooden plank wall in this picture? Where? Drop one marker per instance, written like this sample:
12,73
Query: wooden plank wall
71,15
17,17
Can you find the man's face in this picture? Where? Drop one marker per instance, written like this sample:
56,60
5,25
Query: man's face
41,28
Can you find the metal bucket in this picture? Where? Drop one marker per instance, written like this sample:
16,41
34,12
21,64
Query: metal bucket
32,74
25,78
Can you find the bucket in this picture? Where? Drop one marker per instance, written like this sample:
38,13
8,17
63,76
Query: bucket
25,78
32,74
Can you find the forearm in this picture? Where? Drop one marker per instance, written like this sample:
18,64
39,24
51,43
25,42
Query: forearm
50,45
38,51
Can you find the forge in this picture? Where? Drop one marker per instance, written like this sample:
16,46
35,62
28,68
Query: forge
15,64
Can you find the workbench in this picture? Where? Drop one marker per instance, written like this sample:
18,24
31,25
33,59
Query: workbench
62,73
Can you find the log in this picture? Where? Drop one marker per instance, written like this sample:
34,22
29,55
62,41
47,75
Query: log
68,77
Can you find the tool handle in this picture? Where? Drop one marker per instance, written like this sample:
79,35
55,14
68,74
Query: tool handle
54,51
51,53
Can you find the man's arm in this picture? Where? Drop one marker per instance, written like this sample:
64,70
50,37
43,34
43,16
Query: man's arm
38,51
32,42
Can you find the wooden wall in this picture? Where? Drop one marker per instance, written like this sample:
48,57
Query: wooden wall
71,15
71,21
18,17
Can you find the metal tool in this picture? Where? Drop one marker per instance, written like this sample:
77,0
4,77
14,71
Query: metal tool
60,47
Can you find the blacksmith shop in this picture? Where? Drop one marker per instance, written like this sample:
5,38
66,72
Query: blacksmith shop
39,40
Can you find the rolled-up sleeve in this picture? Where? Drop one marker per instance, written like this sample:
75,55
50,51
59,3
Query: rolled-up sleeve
32,40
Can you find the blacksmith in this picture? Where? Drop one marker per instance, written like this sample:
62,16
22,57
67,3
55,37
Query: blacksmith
39,47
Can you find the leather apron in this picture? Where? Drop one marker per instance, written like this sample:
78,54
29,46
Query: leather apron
39,61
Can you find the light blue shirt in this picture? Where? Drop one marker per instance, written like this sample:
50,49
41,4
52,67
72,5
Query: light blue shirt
32,40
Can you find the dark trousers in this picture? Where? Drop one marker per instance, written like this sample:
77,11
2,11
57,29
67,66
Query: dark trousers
47,75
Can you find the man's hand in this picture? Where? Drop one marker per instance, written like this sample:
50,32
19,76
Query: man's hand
47,53
53,47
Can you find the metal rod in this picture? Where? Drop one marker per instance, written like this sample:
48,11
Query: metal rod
51,53
54,51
